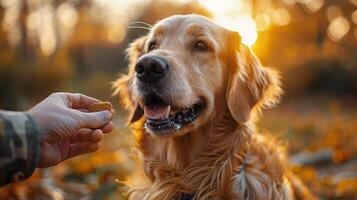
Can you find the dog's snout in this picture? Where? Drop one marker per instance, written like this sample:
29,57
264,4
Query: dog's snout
151,68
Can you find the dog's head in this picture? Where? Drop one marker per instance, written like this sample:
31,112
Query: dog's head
186,68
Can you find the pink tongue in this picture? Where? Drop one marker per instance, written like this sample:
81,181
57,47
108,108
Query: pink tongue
156,112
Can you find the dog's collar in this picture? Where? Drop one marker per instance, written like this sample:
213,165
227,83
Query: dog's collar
186,196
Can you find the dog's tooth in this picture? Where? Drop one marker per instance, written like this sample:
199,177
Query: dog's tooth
168,113
177,126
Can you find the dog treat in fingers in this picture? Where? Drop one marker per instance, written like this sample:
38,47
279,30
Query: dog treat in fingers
100,106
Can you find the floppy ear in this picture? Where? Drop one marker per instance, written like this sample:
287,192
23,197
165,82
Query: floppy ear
121,86
250,85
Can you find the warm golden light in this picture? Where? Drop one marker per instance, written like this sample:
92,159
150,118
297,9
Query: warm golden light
338,28
116,16
67,18
10,20
281,17
314,5
333,12
244,25
47,35
49,25
289,2
354,16
234,15
263,21
116,34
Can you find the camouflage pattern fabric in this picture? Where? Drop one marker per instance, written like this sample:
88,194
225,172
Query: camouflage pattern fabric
19,146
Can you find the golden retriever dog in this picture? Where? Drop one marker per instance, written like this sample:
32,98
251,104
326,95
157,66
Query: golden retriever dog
193,90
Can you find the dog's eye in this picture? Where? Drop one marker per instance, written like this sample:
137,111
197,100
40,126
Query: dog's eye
152,45
201,46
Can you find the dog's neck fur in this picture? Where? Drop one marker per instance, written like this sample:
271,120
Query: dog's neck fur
210,143
205,162
180,151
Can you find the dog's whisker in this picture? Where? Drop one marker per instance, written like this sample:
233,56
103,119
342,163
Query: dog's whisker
144,23
139,27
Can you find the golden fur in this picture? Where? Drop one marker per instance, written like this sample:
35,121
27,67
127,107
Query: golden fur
204,158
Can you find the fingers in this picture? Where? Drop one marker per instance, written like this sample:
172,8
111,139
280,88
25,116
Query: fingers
82,148
86,141
108,127
94,120
87,135
78,100
96,136
78,104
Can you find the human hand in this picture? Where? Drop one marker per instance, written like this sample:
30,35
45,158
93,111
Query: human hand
67,128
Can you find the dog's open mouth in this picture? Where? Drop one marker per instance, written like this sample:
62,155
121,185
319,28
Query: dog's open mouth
161,118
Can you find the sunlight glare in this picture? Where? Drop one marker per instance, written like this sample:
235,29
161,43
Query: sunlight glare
234,15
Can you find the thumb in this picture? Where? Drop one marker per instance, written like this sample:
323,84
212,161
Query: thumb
95,119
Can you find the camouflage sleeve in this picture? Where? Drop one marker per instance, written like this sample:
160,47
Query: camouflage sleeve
19,146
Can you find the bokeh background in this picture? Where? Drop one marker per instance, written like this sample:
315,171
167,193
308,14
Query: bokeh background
78,46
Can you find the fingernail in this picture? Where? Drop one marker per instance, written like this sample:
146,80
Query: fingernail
107,116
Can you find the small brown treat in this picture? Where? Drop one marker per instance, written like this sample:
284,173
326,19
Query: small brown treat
100,106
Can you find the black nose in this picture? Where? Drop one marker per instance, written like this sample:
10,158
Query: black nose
151,68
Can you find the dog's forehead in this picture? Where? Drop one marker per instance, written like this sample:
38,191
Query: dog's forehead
186,23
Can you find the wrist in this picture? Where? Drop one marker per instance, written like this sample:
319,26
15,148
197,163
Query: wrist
33,132
37,119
